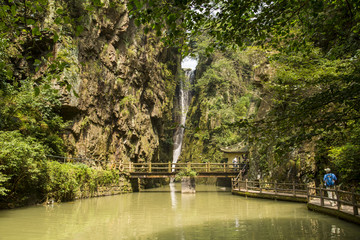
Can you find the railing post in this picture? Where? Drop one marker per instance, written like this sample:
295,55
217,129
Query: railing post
337,198
246,185
130,166
307,192
188,164
149,167
207,166
294,192
354,203
169,167
275,186
224,167
321,197
260,185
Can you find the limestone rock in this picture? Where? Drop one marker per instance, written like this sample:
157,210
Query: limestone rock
122,85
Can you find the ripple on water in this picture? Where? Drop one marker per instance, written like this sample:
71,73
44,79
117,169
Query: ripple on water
211,213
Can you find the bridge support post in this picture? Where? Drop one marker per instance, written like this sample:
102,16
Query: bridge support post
338,198
260,186
293,188
321,197
135,184
354,203
308,193
188,165
188,185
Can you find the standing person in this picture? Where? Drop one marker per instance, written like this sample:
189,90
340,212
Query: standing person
235,163
329,180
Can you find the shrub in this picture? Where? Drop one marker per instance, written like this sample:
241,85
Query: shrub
65,181
20,162
187,172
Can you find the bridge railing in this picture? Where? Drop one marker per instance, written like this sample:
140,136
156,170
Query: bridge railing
342,198
177,167
289,188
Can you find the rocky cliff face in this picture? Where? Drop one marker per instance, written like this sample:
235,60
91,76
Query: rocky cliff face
125,84
228,90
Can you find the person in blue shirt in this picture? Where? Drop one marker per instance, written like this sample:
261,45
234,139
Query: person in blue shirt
329,180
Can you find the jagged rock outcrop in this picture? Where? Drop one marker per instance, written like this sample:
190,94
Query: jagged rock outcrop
124,80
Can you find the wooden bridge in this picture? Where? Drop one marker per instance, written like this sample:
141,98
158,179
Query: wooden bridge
281,191
346,207
162,170
346,203
166,170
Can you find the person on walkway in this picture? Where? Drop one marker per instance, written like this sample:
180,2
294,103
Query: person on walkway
329,180
235,163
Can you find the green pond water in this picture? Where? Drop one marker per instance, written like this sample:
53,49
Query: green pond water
165,213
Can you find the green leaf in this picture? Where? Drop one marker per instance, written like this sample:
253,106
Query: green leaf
37,62
68,87
59,11
36,91
46,86
56,37
35,31
137,22
75,93
79,30
30,22
138,4
58,20
14,10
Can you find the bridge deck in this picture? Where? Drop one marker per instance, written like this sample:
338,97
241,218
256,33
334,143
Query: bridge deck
166,170
346,212
344,208
172,174
287,196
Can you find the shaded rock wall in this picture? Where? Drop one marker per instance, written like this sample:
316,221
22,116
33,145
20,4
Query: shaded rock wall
125,82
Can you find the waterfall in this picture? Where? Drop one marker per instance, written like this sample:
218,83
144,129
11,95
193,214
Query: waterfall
184,101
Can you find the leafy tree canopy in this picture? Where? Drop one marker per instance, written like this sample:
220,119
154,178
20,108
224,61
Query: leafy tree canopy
332,25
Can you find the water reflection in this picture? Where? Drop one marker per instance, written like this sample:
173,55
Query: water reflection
173,194
266,229
166,214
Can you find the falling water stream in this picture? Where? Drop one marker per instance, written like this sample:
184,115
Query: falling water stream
184,101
